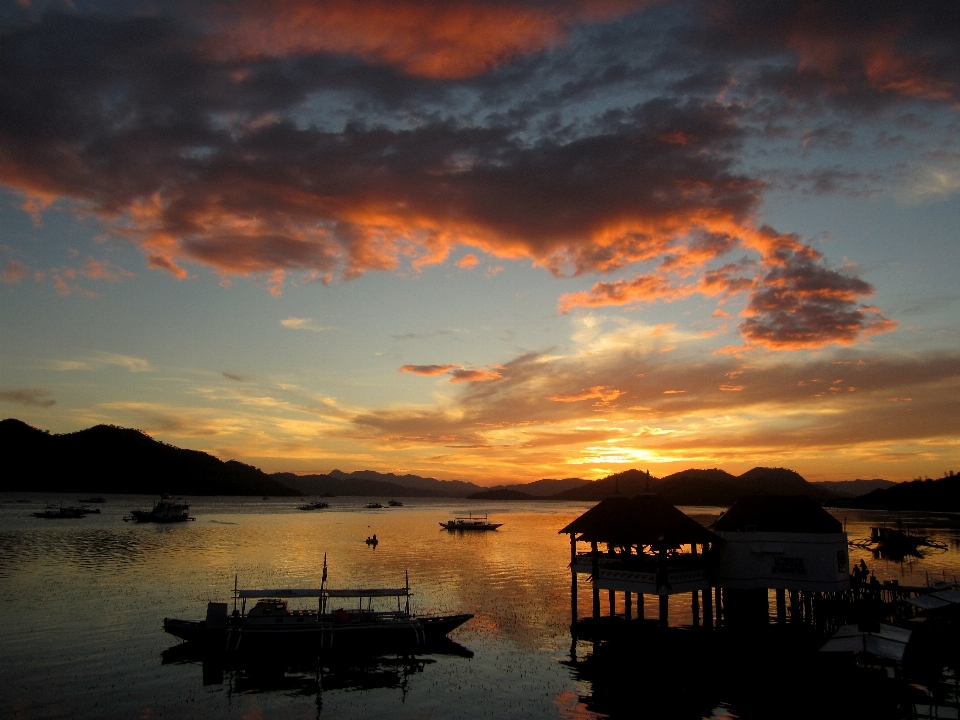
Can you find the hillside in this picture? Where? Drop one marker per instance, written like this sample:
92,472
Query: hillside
544,488
344,484
503,494
854,488
627,483
433,487
932,495
109,459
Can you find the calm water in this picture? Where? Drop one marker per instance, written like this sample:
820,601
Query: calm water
83,601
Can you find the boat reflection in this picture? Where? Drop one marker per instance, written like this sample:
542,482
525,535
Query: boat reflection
305,673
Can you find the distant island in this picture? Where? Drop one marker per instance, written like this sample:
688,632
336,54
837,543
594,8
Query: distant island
110,459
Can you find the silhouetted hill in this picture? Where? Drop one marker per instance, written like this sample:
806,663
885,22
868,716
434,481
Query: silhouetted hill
942,494
627,483
854,488
109,459
544,488
435,488
344,484
698,487
502,494
777,481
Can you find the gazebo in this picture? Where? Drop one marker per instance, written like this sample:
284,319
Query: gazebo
644,540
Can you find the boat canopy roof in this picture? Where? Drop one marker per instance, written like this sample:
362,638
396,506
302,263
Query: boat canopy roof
318,592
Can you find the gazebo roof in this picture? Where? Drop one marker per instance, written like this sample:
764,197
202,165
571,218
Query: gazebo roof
643,520
777,513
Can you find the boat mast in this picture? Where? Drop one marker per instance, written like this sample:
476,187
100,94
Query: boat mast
235,579
406,576
323,580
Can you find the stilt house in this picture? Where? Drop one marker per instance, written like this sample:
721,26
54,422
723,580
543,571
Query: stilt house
640,546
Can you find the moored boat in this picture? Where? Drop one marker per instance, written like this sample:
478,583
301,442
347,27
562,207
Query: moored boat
314,506
345,620
62,513
165,510
374,506
470,522
394,503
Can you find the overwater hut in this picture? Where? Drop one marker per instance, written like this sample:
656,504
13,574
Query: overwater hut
640,546
785,543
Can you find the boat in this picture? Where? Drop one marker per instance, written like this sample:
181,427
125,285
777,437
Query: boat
62,513
314,506
470,522
394,503
372,541
374,505
165,510
345,621
97,500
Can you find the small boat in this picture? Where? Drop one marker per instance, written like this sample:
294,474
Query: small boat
314,506
394,503
98,500
374,505
62,513
345,621
480,522
165,510
372,540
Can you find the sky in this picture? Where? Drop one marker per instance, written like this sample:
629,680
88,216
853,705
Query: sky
493,240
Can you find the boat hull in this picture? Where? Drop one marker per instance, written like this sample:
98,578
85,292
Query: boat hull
470,528
241,635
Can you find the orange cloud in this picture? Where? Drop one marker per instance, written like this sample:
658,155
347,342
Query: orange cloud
427,38
468,261
428,370
600,392
13,271
461,375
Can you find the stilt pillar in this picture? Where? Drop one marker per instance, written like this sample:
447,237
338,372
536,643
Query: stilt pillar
596,579
664,610
808,607
695,596
707,609
720,611
781,607
794,606
639,606
573,578
612,598
628,605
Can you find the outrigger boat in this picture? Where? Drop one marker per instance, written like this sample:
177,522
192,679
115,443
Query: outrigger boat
165,510
345,621
480,522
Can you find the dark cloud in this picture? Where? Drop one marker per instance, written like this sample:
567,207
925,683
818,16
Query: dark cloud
31,397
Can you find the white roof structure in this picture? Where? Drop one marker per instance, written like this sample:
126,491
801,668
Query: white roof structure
888,641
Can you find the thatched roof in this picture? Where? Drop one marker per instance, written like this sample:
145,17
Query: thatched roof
777,513
643,520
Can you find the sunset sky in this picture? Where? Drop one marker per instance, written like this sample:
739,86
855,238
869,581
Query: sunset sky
495,241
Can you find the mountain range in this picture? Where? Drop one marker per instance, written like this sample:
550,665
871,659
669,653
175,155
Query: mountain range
110,459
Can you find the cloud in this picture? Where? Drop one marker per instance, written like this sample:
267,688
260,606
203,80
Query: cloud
461,375
13,272
428,370
235,378
468,261
31,397
100,360
600,392
295,323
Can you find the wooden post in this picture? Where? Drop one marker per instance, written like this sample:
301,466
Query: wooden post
664,610
612,597
628,605
808,607
695,599
794,607
573,578
596,579
781,607
707,609
720,613
639,606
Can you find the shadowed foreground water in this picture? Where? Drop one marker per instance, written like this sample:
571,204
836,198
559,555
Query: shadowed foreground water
83,601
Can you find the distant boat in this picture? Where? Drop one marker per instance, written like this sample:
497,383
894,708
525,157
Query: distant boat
344,621
394,503
165,510
314,506
95,500
63,513
374,505
480,522
372,541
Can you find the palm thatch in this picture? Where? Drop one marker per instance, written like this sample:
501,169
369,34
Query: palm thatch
643,520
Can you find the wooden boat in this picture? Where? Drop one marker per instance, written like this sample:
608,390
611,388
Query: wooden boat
374,506
97,500
62,513
394,503
314,506
345,621
480,522
372,540
165,510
